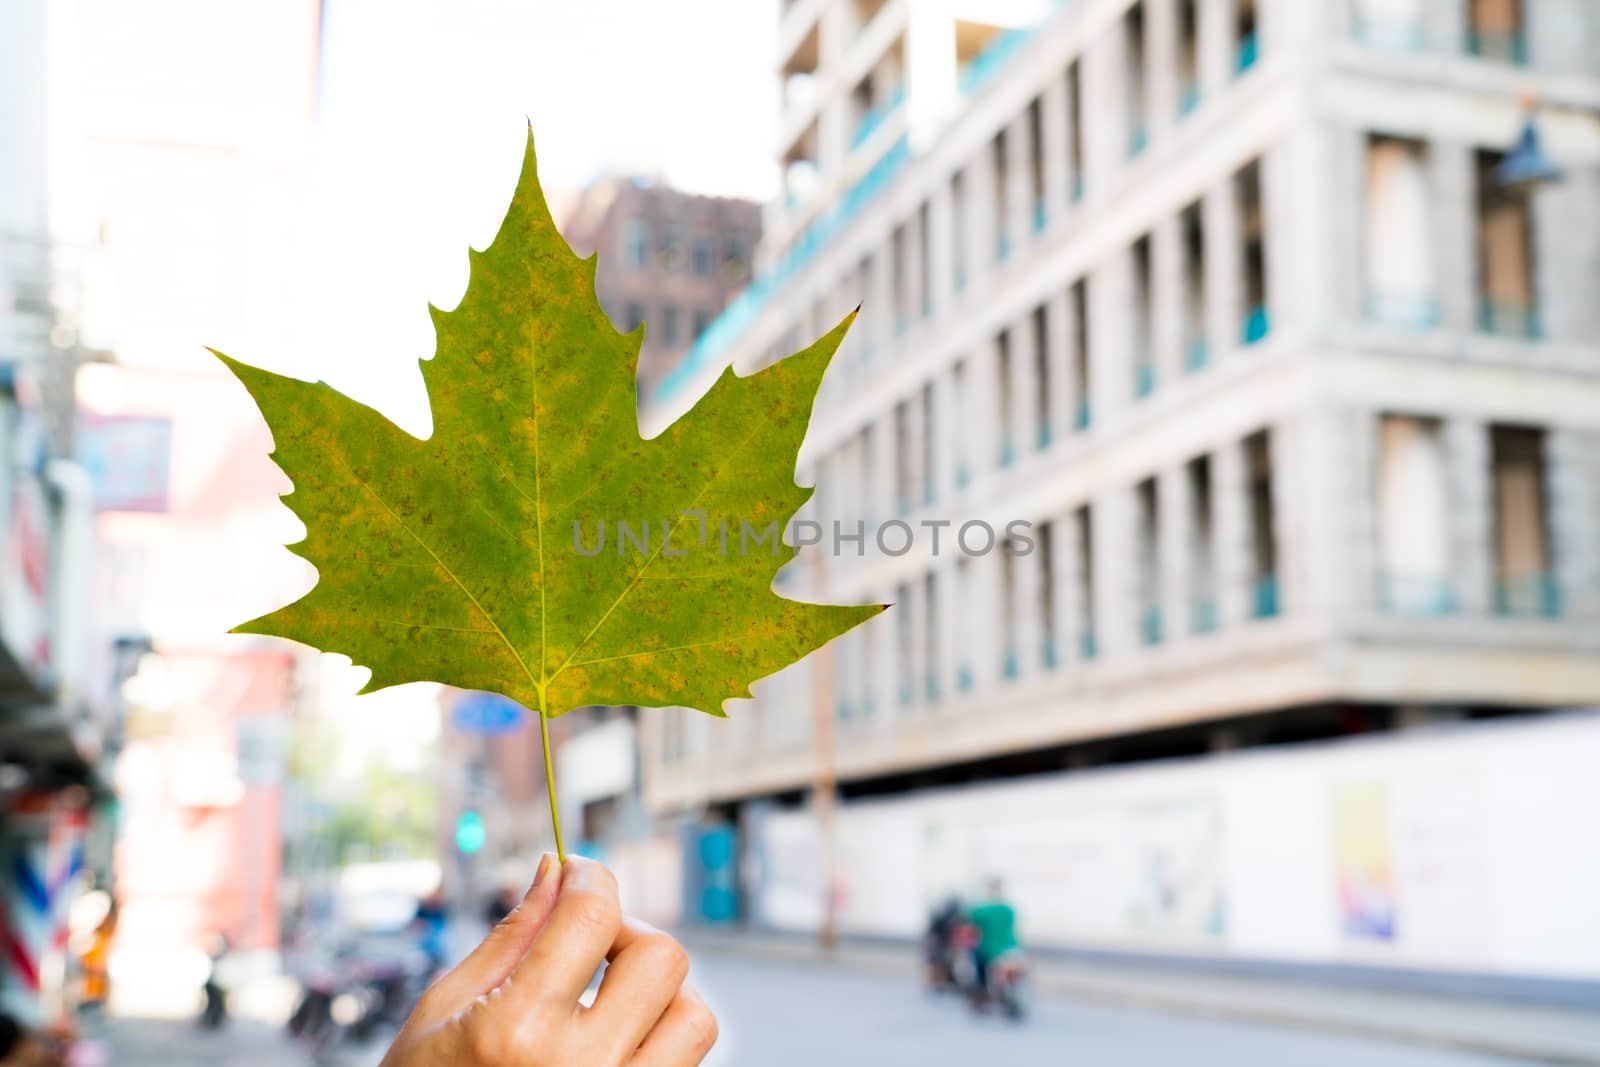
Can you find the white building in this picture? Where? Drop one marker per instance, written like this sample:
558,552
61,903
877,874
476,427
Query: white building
1224,298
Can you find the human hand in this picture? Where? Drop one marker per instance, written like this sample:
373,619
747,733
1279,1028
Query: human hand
514,1001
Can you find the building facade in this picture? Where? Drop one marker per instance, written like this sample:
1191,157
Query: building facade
668,259
1228,301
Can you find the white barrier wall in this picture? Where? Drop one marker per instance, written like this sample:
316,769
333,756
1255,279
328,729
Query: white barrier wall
1466,848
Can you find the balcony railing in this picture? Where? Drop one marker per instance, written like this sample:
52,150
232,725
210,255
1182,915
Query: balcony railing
1041,216
1011,665
1257,324
1507,318
1189,99
1150,631
1088,646
907,692
876,117
1044,435
1197,355
930,688
1249,51
1144,380
1047,654
1418,311
1535,595
1427,595
1138,141
1264,597
1506,46
964,678
1084,415
1203,614
992,59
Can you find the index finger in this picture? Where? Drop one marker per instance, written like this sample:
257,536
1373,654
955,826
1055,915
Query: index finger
575,939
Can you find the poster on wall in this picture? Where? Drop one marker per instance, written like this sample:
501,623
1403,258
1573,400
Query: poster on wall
1178,879
1363,862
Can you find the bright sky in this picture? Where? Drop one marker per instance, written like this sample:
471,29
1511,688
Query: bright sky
425,104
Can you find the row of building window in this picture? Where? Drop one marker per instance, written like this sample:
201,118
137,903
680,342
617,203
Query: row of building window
667,251
667,325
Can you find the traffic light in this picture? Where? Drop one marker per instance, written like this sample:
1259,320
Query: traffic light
470,834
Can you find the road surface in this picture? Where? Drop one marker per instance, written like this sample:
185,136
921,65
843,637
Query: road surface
789,1015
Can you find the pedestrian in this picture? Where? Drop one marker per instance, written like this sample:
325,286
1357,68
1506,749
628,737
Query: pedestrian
514,1000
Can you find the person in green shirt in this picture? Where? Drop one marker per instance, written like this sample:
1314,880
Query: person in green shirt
996,922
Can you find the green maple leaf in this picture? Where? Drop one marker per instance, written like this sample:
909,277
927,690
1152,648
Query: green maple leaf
454,559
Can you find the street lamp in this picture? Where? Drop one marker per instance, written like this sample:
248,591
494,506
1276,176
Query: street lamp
1526,168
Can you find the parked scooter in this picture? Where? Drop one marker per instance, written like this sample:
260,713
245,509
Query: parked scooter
348,997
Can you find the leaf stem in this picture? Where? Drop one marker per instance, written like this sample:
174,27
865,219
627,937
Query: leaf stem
550,776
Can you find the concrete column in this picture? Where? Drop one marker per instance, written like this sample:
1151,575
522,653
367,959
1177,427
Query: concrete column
986,625
1339,215
1116,588
1445,27
1062,400
1283,236
916,307
1028,579
1024,388
1357,461
878,308
1454,227
1471,495
946,614
1175,549
1161,63
1572,484
1166,300
1215,42
1103,72
916,441
982,232
941,250
1566,241
1111,342
1053,143
984,432
1289,487
910,672
880,495
1230,510
1224,267
1018,200
1065,553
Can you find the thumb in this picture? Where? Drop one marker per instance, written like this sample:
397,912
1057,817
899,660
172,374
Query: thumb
498,954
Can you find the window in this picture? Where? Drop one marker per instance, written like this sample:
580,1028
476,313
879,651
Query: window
905,647
736,256
1037,211
1413,518
1399,262
669,248
1045,592
1134,94
1507,302
902,458
1247,48
1202,553
1144,367
1149,562
997,207
958,224
932,602
1078,301
669,324
701,256
1088,642
1075,133
702,322
1524,582
1496,30
633,317
1263,534
1005,372
1257,320
1039,323
1188,56
1195,346
636,243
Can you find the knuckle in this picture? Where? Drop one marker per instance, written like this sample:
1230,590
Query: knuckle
666,957
598,912
700,1025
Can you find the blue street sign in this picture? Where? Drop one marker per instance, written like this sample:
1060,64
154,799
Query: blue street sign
487,713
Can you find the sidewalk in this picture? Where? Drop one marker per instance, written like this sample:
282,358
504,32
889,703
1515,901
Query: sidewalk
1517,1031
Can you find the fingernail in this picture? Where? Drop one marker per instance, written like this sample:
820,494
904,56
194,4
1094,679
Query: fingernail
544,869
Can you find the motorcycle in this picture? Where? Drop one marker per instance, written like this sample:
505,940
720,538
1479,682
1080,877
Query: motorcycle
347,998
1006,987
